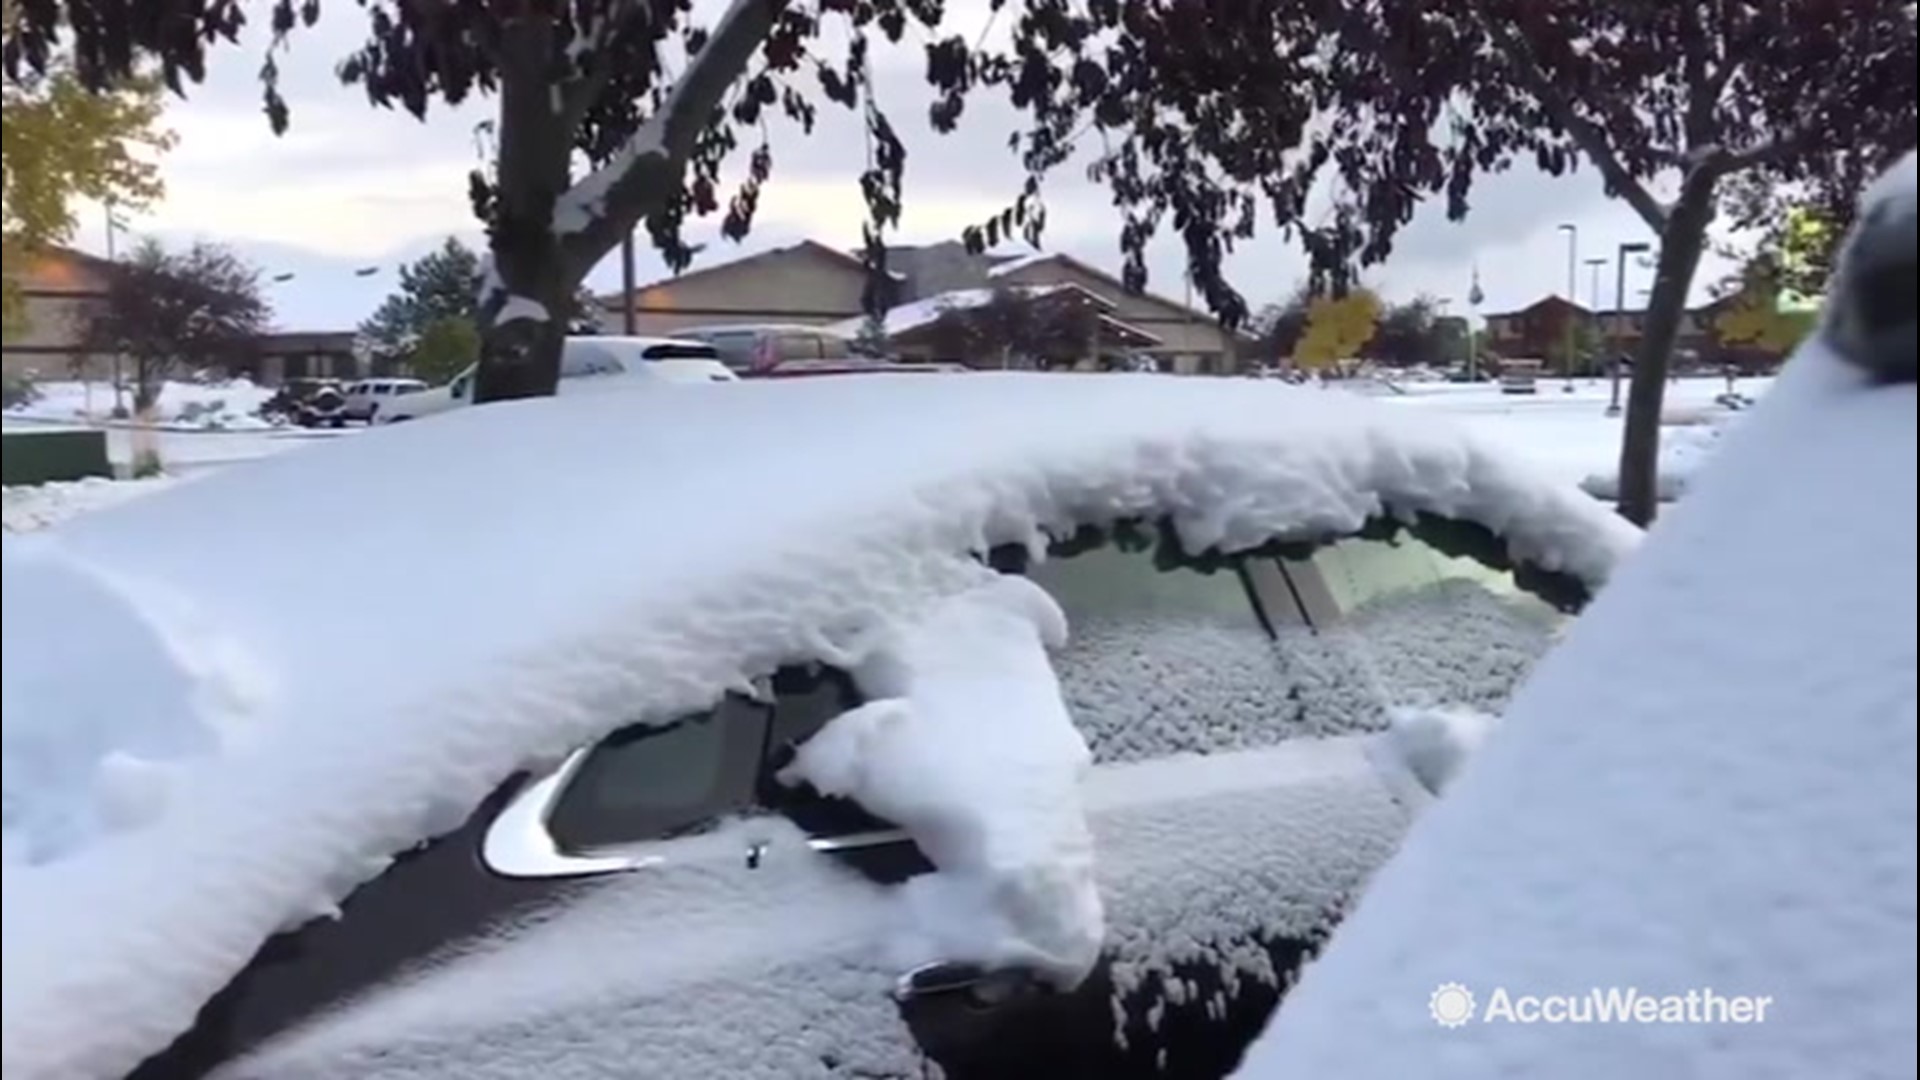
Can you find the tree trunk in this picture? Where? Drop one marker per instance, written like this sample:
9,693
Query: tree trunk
1681,244
523,313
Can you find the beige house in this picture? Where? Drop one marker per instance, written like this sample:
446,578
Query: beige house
60,288
811,284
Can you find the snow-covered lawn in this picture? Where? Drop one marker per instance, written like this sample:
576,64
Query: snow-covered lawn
225,406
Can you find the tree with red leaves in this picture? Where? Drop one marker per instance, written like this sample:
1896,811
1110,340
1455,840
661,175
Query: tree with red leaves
1739,107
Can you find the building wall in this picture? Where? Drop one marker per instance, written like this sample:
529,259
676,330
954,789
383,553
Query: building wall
60,289
794,285
1191,342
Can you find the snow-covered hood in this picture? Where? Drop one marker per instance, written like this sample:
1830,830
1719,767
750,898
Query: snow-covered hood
353,645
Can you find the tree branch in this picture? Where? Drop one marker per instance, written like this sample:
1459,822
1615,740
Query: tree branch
1767,151
609,202
1702,94
1590,139
585,88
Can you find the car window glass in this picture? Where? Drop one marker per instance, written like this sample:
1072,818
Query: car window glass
1164,661
736,349
586,359
804,699
681,351
1422,627
651,782
798,347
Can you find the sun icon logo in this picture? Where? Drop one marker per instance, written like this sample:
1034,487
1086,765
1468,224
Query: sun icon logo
1451,1004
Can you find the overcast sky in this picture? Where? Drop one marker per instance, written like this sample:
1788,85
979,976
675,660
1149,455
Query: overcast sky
350,186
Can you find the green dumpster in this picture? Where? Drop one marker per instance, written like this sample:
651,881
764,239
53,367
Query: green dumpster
29,456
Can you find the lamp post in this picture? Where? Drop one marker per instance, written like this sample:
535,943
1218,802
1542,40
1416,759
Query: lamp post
1618,338
629,319
1573,290
1593,293
115,224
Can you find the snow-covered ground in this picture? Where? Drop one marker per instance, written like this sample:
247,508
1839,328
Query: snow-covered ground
29,509
1569,435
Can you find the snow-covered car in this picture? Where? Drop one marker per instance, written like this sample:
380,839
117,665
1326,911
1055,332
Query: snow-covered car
1690,848
587,364
295,401
1018,725
367,397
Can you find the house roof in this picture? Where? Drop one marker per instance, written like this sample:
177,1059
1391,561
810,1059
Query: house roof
62,270
908,317
614,299
1017,263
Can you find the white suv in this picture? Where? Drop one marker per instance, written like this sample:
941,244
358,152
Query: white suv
587,363
368,397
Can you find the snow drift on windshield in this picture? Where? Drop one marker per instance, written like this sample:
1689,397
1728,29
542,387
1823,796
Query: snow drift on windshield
966,743
526,578
1709,787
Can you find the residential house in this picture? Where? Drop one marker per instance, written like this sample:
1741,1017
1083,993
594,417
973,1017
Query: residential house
813,284
60,289
915,330
63,288
306,354
1539,331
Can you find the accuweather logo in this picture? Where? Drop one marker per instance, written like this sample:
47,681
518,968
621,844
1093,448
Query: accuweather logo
1453,1005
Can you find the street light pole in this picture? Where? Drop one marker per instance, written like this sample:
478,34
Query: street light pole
1573,290
1593,292
1475,296
114,224
1618,337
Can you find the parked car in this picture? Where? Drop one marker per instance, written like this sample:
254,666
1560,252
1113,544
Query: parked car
366,397
583,362
1017,725
1520,376
293,401
760,346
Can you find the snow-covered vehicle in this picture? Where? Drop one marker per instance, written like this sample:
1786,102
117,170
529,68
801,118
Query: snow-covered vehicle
1690,848
587,364
1018,725
367,397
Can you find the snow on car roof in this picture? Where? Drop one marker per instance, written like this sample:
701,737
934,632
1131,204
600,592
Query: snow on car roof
520,579
1706,794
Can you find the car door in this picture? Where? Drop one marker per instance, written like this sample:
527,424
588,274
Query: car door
631,913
